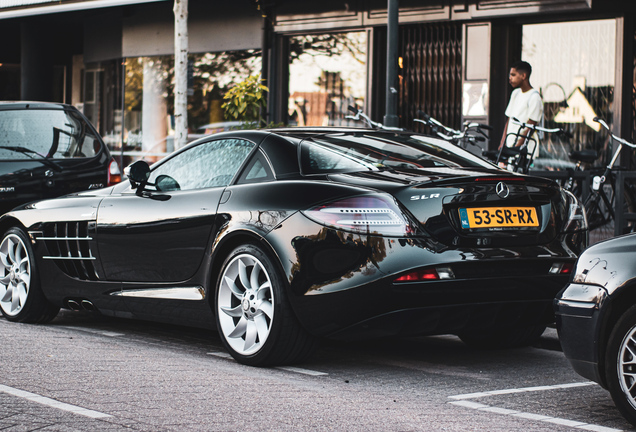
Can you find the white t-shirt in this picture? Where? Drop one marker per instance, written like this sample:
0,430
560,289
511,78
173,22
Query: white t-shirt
524,106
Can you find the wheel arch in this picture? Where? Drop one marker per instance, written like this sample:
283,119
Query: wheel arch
227,244
622,300
9,222
35,307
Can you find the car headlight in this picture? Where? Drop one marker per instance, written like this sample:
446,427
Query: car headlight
377,214
576,218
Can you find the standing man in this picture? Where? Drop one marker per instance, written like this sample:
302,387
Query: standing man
525,105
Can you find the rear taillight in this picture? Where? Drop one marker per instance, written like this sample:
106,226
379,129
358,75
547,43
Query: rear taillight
419,275
377,214
114,173
427,274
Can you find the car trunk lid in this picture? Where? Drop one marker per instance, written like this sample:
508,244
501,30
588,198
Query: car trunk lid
460,207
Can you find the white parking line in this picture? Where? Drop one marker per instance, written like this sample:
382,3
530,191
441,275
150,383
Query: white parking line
463,401
93,331
285,368
52,402
221,354
521,390
302,371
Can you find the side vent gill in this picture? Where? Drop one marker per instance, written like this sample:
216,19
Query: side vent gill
71,246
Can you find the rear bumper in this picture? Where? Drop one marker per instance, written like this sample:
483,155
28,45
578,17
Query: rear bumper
446,307
343,283
454,319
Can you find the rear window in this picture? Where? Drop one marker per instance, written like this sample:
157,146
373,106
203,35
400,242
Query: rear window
56,134
360,152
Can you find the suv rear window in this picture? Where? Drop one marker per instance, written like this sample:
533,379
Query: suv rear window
56,134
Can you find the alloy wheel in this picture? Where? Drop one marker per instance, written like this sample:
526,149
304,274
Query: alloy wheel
15,274
245,304
627,366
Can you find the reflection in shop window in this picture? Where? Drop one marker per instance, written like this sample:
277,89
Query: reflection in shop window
573,68
149,98
327,74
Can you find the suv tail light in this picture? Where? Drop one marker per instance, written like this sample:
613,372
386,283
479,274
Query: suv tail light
562,268
114,173
376,214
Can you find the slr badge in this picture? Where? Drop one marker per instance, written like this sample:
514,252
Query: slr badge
502,190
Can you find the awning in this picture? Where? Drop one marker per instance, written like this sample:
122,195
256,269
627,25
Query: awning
24,8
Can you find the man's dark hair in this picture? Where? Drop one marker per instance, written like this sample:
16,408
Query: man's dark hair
523,66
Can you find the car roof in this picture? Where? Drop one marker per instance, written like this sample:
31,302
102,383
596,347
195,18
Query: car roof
293,134
13,105
304,132
300,133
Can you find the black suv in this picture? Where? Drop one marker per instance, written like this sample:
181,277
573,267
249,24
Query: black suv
48,150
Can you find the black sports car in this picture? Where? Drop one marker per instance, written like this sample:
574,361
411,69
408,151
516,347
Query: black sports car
48,150
596,319
280,237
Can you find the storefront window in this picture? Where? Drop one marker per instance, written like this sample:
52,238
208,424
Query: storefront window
573,67
149,98
327,74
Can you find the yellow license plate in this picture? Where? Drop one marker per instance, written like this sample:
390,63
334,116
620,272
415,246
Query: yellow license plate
496,217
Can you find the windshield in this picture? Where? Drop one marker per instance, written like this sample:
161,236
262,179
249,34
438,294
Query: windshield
361,152
46,133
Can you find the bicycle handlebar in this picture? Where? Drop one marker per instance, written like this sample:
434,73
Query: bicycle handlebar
453,135
535,127
374,125
430,120
617,138
469,125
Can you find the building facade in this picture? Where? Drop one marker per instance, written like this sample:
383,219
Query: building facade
113,59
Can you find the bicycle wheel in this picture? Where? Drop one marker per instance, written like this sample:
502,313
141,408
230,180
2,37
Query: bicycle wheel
599,218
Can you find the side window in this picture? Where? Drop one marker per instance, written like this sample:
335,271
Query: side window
209,164
257,170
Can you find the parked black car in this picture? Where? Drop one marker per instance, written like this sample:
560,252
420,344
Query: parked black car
278,237
48,150
596,319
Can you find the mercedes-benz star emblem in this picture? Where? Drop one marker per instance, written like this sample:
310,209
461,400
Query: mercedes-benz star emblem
502,190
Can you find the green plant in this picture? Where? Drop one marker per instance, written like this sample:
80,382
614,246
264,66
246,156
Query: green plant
244,101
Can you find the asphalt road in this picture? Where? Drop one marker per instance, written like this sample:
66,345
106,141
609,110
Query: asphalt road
83,372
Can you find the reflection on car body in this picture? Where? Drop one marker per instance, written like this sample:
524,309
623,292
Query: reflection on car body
280,237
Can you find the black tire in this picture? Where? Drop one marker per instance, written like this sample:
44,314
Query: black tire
620,376
505,338
21,296
253,315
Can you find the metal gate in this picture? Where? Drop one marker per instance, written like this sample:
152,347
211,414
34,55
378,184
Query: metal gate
430,73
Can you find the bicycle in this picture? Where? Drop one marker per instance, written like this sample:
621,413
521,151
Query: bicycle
609,200
518,158
361,116
461,138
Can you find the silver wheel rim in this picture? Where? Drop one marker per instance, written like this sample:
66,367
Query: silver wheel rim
15,274
245,304
627,366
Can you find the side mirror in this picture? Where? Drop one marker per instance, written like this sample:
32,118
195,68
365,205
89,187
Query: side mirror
138,173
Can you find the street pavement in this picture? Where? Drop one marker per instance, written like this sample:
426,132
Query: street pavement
83,372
